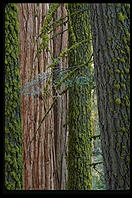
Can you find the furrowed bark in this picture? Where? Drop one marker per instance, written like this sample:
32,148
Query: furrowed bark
111,42
39,166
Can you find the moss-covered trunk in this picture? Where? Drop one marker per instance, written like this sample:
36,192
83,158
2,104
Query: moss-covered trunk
111,40
13,131
79,143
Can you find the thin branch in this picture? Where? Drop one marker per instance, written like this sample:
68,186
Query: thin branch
100,173
60,21
95,136
71,73
58,34
36,132
95,164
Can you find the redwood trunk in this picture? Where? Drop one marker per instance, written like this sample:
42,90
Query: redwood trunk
40,162
60,108
42,168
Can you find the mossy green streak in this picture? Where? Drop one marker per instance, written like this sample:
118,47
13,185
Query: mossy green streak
13,131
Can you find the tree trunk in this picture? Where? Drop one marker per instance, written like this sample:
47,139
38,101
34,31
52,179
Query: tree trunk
13,130
44,165
79,142
40,162
60,108
111,40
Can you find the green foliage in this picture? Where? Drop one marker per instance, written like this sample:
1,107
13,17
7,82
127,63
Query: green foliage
49,17
45,29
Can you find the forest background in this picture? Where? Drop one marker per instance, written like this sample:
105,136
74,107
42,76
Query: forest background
67,96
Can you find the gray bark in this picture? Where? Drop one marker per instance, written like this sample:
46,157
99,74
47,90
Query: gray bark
111,41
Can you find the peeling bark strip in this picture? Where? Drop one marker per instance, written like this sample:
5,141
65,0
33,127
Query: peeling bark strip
111,39
42,168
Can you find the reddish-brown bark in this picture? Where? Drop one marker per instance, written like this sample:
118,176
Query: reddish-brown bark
42,168
60,109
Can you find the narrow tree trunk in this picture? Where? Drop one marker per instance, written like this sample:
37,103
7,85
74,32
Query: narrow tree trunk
60,108
40,162
79,143
13,130
111,40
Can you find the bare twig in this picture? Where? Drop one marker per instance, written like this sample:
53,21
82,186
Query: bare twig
36,132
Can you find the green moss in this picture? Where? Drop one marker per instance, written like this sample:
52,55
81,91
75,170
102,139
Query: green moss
122,60
127,35
125,40
123,52
111,71
79,141
13,171
127,104
114,60
117,71
111,100
127,101
45,41
121,17
127,49
122,78
123,85
117,86
127,70
118,5
123,129
127,5
46,28
109,38
118,101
